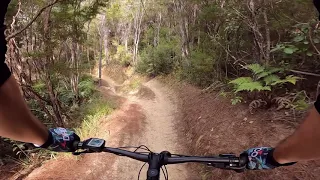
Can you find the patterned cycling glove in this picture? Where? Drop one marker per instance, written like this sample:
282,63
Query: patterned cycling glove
61,140
262,158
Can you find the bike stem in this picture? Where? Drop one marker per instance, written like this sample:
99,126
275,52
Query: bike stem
156,161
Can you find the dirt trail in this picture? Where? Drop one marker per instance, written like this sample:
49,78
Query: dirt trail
140,120
159,133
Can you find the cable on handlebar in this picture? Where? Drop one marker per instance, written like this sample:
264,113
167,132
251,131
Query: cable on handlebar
165,173
143,147
141,170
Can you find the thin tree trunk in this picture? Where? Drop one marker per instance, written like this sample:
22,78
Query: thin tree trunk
267,29
88,59
158,29
100,62
138,22
183,27
127,35
106,44
48,50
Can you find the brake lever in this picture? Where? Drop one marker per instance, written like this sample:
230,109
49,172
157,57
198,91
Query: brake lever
229,166
82,152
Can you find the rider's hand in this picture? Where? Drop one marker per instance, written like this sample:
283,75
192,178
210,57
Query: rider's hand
262,158
61,140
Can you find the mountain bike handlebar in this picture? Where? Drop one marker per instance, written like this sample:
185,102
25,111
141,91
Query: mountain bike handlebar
158,160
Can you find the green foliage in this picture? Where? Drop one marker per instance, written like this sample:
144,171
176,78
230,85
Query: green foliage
271,79
256,68
301,105
158,60
263,79
302,35
236,100
39,87
200,70
86,87
122,55
241,80
91,113
252,86
301,101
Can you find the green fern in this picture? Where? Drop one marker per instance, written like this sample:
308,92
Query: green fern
263,79
268,71
270,79
292,79
252,86
289,79
241,80
273,70
255,68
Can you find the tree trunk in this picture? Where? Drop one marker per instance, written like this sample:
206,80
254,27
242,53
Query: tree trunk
158,29
88,59
106,44
267,36
183,27
73,67
137,26
127,35
100,62
48,51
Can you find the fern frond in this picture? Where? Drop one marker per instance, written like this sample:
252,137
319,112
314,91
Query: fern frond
255,68
268,72
241,80
271,79
292,79
272,70
252,86
289,79
262,75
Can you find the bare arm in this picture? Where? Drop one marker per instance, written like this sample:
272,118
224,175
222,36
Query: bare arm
16,120
304,144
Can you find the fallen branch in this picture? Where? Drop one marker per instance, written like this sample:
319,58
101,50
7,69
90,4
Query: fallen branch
305,73
32,21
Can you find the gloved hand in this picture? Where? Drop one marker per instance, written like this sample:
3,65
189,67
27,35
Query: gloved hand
262,158
61,140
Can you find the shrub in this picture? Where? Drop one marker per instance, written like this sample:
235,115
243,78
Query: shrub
122,56
199,69
158,60
86,87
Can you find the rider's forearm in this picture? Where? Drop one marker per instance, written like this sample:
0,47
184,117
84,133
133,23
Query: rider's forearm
304,144
16,120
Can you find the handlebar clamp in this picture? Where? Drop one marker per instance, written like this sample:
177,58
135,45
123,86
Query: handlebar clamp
235,163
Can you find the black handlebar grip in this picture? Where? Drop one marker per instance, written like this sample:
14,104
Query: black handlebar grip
76,145
243,160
